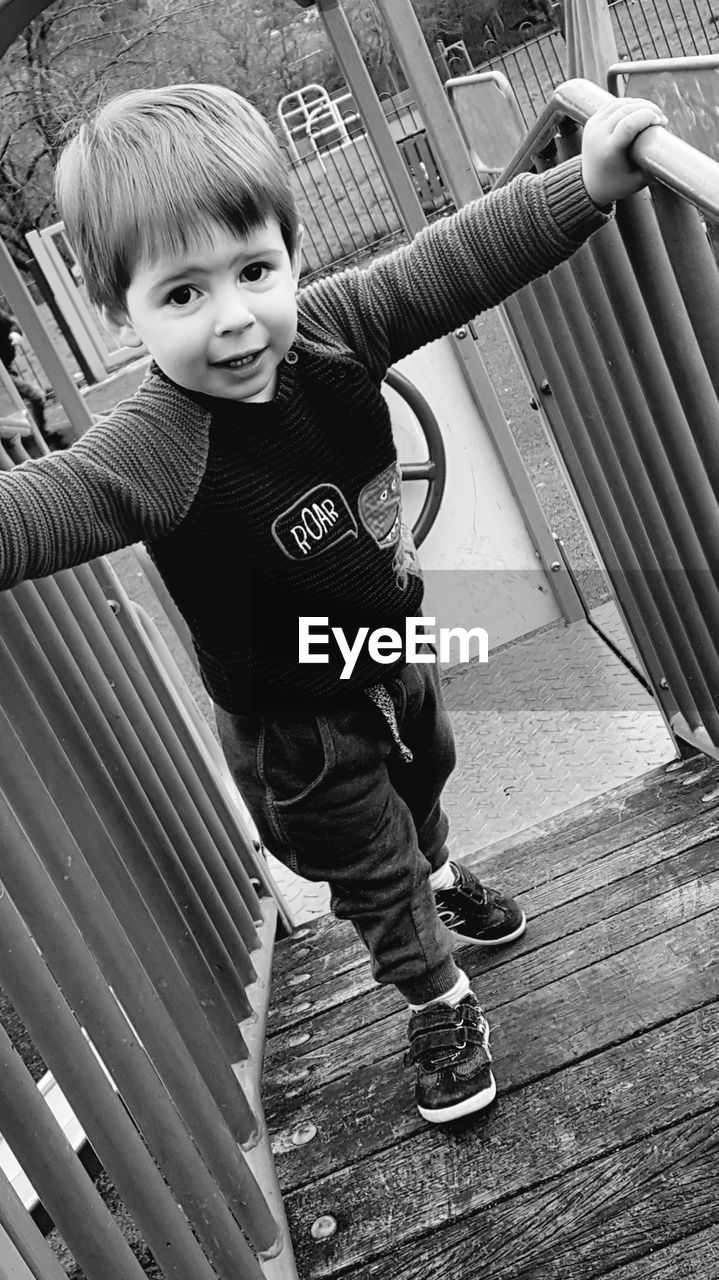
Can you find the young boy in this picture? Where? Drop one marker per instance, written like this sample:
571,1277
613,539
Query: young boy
257,462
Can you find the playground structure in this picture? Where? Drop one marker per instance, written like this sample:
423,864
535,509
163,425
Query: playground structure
102,753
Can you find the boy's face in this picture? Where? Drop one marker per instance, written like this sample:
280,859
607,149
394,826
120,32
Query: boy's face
219,318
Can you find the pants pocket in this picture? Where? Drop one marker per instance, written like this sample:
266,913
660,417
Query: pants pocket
294,758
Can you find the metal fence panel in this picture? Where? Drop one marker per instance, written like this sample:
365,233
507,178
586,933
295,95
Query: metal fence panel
626,335
123,864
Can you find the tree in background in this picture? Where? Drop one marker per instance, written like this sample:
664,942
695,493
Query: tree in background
485,24
77,53
61,65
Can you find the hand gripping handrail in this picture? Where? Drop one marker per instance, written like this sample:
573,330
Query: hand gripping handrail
662,155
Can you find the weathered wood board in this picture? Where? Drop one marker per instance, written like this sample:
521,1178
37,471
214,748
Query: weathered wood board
600,1155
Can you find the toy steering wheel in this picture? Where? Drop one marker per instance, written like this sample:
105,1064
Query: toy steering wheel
434,468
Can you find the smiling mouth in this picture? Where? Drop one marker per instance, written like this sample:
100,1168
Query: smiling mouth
238,362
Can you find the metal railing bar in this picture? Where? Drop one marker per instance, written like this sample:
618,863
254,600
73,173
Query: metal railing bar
30,1129
374,181
695,269
46,604
662,28
671,542
541,51
232,858
338,205
212,768
238,928
700,16
280,1265
315,225
103,828
663,156
58,1038
677,340
647,66
645,458
101,928
620,557
26,1237
667,411
155,749
620,15
562,313
562,438
183,1128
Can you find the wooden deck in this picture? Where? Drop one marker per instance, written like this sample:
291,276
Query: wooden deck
600,1156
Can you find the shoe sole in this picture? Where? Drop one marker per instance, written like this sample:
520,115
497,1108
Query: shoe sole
493,942
466,1107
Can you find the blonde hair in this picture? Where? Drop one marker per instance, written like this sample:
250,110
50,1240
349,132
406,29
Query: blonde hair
154,168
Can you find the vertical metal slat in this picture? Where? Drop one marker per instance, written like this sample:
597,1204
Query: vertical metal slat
59,1039
202,1163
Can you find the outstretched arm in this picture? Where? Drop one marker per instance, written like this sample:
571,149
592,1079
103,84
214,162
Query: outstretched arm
492,247
131,476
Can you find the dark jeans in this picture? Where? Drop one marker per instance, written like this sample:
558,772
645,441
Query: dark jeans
333,800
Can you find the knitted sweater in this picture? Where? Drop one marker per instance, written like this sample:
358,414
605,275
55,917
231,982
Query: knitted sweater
259,514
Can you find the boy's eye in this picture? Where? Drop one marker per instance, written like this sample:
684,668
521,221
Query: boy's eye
255,272
181,295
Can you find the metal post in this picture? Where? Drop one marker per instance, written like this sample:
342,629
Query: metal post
422,76
448,144
232,917
105,830
695,268
159,812
30,1128
58,1038
171,783
26,1238
349,57
28,316
201,1161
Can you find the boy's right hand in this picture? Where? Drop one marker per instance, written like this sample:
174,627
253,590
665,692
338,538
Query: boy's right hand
608,170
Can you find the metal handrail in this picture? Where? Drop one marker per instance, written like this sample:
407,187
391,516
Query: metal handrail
625,335
658,152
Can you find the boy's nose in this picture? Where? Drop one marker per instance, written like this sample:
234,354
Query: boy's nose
233,314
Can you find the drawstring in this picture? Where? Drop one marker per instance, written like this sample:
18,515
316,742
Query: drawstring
382,700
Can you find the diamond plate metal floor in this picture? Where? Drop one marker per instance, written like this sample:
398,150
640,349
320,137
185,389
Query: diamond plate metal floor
548,722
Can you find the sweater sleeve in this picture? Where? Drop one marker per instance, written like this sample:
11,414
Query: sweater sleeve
133,475
456,267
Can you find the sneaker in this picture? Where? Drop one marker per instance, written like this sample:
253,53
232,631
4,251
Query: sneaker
449,1045
478,914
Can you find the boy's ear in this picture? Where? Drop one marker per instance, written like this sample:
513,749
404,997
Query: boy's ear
297,253
119,323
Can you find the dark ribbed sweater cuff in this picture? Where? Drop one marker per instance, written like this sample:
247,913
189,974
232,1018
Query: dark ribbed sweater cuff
569,202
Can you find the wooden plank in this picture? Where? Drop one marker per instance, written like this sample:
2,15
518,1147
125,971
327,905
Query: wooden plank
667,797
694,1257
545,885
612,885
605,1103
607,1002
605,1213
661,787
